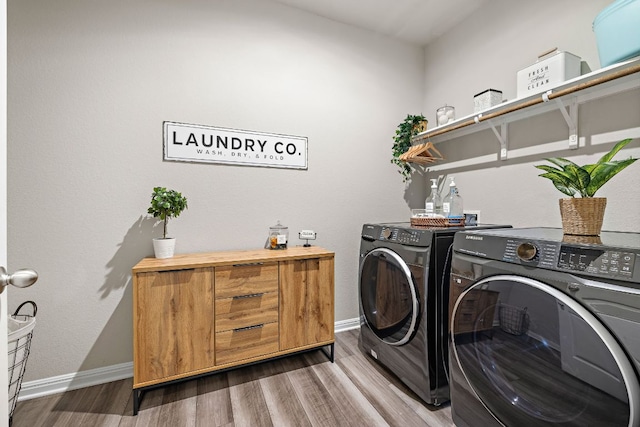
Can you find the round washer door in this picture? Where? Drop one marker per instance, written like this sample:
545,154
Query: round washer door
534,356
388,297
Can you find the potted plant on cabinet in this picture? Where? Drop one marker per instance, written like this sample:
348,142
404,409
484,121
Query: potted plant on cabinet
165,204
582,213
410,127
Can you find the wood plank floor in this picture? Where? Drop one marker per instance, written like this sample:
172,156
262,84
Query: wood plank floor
301,390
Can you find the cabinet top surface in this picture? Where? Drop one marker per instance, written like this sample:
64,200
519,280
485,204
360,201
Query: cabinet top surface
212,259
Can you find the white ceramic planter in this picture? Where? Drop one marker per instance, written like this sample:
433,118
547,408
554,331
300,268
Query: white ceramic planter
164,248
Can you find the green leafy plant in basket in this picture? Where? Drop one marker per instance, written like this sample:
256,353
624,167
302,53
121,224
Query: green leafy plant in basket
583,214
410,127
584,181
166,204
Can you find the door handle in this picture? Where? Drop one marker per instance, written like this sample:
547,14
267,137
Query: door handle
20,279
573,287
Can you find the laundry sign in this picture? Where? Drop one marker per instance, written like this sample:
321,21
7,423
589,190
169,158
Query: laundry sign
209,144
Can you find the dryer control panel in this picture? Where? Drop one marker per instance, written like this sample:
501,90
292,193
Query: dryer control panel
605,262
612,255
393,233
556,256
543,254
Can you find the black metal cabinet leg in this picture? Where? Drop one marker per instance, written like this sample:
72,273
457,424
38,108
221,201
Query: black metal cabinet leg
331,353
137,396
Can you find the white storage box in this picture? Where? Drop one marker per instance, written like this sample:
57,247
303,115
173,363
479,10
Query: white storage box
549,71
487,99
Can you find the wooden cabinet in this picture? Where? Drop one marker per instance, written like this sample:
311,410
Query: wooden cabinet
196,314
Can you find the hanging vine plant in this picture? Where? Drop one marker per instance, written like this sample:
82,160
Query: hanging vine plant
410,127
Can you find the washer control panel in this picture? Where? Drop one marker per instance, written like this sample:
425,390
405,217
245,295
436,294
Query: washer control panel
405,236
557,256
542,254
596,261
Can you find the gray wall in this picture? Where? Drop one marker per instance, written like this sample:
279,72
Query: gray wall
90,84
486,51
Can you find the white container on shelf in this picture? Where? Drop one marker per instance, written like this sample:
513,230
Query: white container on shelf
486,99
617,30
551,69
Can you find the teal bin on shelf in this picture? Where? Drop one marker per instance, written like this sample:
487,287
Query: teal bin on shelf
617,29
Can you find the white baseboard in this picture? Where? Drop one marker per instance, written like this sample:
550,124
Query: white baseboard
68,382
347,325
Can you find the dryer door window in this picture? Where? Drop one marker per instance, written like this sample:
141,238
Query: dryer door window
388,296
534,356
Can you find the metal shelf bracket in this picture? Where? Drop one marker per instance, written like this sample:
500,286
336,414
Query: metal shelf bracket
503,137
570,116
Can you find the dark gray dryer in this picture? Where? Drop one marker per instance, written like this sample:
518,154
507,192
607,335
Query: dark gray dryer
545,329
403,288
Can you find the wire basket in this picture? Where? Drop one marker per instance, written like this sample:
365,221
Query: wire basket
20,332
513,320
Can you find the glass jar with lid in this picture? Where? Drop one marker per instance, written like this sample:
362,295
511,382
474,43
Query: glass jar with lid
445,115
278,236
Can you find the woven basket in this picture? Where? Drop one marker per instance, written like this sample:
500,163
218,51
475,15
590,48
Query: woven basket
418,222
582,216
572,238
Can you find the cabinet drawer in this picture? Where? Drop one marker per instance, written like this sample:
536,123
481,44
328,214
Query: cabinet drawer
465,323
470,303
246,310
245,279
239,344
472,324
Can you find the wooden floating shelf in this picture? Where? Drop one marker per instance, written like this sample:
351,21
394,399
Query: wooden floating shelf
566,97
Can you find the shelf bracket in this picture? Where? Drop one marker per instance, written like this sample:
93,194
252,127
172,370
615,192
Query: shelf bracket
570,116
502,138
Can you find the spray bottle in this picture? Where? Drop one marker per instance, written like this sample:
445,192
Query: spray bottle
452,203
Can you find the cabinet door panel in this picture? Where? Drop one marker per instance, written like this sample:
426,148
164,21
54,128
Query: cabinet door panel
293,291
320,312
171,308
306,302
